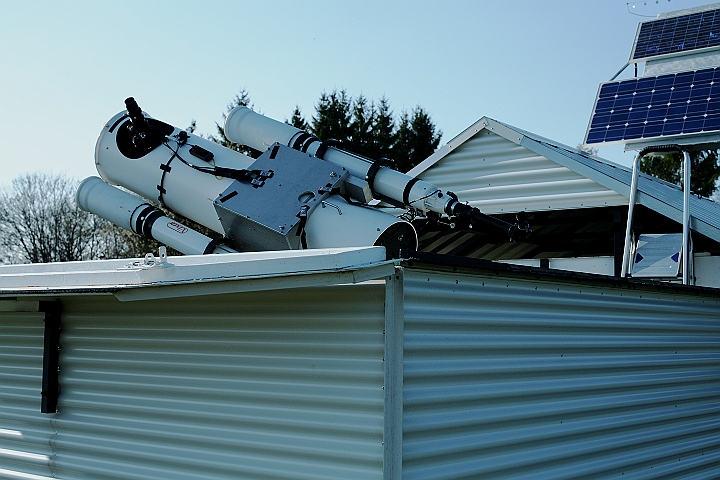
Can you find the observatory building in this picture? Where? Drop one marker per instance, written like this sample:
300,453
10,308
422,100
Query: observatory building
511,308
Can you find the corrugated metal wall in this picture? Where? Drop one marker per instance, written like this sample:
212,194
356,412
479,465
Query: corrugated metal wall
280,384
508,378
25,434
509,178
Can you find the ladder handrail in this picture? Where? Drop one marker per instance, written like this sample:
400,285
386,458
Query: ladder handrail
631,211
686,220
686,258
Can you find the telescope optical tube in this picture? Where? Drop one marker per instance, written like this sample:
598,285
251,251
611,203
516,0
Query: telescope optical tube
165,173
188,175
135,214
247,127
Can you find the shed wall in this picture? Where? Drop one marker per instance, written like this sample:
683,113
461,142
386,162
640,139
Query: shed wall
279,384
25,434
510,378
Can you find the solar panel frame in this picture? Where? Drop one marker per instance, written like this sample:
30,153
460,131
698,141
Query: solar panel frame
658,107
695,32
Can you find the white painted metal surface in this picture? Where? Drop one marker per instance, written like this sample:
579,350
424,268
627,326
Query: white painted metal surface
510,378
695,61
130,212
497,175
420,374
706,266
658,256
200,272
144,175
281,384
25,435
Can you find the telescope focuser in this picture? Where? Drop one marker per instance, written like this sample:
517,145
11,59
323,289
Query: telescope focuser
139,123
491,225
140,135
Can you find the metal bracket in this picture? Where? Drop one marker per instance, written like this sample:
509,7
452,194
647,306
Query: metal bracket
51,356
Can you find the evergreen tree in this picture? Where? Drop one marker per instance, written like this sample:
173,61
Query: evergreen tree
704,169
402,146
383,130
242,99
297,120
425,138
333,117
415,139
361,128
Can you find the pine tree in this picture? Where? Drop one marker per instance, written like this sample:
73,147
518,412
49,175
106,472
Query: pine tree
425,138
383,130
403,145
242,99
332,117
361,127
297,120
415,139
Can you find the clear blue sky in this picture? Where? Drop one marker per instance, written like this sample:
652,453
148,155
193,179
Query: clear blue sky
66,67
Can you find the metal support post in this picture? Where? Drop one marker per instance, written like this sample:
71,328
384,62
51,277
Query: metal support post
686,254
631,210
51,356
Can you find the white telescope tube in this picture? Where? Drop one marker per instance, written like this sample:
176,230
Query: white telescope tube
246,127
329,224
185,190
158,161
136,215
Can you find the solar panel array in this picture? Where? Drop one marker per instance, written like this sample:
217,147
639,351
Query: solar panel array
656,107
677,34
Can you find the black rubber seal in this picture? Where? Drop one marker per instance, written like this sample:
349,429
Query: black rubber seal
375,167
211,246
150,221
137,228
298,143
406,191
306,145
325,145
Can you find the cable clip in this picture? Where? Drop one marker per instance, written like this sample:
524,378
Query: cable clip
325,189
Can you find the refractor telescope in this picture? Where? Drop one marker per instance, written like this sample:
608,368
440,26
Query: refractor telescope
300,193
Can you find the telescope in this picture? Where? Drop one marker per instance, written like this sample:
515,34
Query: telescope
299,193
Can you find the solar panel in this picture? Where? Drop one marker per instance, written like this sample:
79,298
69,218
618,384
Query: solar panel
676,35
656,107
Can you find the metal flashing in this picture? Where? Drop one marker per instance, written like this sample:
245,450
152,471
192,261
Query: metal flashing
393,364
197,275
425,260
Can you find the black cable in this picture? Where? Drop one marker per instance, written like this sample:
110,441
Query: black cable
426,196
255,177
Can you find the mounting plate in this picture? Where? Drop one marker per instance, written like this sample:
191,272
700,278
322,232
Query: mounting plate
266,217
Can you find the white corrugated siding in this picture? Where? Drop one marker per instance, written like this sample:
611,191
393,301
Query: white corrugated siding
25,433
499,176
535,379
280,384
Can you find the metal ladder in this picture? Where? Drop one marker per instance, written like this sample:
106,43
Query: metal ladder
687,277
